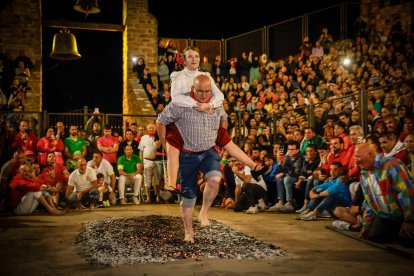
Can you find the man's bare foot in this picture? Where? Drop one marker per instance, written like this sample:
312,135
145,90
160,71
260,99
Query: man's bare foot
203,221
92,207
189,238
57,212
79,206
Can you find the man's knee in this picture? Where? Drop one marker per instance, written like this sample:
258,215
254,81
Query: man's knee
188,202
213,177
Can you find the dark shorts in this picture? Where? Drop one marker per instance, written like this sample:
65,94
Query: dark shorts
190,164
174,138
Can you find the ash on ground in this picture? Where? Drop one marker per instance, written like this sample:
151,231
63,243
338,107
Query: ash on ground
158,239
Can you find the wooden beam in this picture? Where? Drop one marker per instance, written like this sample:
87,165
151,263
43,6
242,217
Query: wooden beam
83,25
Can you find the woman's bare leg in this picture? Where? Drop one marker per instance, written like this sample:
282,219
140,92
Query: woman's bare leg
237,153
173,163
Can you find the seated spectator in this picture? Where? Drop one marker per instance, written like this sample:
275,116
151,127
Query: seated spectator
290,171
27,193
253,193
9,170
306,181
392,147
82,186
409,145
102,166
328,195
388,214
22,73
48,178
60,172
270,178
130,172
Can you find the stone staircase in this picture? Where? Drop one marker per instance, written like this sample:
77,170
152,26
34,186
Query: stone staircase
138,104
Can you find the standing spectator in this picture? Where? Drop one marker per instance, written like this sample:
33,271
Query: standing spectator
75,148
26,60
148,152
109,146
163,73
138,67
23,139
22,73
129,140
49,143
61,131
205,66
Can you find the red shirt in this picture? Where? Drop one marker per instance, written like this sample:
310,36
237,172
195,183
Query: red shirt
45,145
19,187
28,143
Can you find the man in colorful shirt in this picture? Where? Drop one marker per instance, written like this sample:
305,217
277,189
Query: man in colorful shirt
389,197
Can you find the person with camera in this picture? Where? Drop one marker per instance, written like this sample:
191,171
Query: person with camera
290,171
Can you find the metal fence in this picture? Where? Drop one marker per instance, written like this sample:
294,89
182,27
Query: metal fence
40,121
278,40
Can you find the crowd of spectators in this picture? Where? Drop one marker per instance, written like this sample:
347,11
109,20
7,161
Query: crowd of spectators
268,106
14,81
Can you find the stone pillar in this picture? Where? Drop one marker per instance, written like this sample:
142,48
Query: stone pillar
140,40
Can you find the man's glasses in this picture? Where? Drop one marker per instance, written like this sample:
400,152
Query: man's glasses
200,91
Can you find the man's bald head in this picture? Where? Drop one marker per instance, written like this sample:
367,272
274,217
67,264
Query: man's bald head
202,88
365,155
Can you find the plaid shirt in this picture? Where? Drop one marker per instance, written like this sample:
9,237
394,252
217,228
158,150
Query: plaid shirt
198,129
395,185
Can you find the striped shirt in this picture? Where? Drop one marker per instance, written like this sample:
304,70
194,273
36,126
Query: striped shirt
388,191
198,129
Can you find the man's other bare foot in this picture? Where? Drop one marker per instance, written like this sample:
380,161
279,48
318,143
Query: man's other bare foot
203,221
189,238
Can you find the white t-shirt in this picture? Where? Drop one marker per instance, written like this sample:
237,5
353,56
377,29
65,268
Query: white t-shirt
246,171
148,147
105,168
82,182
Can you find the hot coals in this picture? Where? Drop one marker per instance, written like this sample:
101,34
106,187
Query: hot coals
120,241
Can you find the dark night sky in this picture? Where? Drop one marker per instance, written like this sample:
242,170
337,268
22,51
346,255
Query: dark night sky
95,80
219,19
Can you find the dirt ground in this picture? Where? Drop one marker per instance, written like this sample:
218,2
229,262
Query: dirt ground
41,244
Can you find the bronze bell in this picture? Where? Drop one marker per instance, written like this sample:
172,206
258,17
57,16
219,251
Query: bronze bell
87,6
64,46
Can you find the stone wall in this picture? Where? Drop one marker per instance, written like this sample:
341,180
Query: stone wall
20,28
